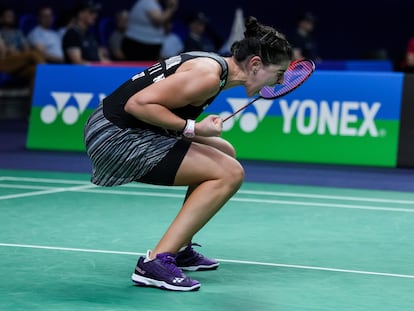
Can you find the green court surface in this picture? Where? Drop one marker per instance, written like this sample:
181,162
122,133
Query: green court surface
68,245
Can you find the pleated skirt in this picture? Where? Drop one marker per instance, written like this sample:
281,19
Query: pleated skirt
120,156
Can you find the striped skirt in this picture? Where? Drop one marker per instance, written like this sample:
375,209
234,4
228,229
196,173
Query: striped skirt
120,156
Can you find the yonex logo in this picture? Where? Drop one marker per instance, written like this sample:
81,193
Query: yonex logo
70,105
338,118
139,270
248,120
178,280
310,117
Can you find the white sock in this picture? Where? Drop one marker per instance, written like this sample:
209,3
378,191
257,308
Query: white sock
182,248
147,258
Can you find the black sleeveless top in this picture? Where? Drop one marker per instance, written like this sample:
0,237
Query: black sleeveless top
113,105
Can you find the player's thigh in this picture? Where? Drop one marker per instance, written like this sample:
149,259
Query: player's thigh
203,162
218,143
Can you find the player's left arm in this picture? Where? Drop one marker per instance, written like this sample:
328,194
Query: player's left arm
189,86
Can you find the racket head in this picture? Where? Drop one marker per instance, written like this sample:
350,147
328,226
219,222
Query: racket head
297,73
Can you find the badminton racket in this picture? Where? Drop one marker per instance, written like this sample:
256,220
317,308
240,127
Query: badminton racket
297,73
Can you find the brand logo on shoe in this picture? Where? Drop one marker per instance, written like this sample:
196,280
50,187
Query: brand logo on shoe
140,270
178,280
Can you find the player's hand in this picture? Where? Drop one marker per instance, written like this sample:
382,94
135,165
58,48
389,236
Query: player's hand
210,126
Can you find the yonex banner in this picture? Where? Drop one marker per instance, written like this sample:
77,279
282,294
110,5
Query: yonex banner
336,117
64,97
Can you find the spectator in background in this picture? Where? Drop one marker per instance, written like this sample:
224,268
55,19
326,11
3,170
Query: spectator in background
16,56
12,36
65,21
21,64
197,39
302,41
145,32
408,62
44,38
79,43
117,35
236,33
173,44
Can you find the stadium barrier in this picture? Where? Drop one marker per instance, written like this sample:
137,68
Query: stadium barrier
356,65
336,117
406,134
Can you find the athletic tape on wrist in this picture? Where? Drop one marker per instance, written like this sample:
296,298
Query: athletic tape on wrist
189,130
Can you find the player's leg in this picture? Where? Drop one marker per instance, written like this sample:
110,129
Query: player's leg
216,176
187,258
217,143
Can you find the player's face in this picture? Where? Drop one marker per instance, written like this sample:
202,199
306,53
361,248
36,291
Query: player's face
274,74
267,75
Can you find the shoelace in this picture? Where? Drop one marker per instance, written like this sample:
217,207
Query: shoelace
191,252
170,264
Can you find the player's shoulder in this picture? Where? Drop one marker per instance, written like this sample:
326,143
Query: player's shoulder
206,67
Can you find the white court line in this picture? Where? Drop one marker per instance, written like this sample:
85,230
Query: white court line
250,200
329,197
86,188
253,192
135,193
351,206
42,192
46,180
11,186
256,263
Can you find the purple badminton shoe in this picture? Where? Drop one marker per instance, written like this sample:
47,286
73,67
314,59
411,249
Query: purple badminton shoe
190,260
162,272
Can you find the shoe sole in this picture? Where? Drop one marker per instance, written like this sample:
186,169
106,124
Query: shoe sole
200,267
143,281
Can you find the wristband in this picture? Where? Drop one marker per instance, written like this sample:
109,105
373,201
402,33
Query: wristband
189,129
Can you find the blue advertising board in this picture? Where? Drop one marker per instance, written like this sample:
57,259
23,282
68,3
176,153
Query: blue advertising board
344,110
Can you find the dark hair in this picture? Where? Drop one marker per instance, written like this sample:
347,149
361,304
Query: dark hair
88,5
264,41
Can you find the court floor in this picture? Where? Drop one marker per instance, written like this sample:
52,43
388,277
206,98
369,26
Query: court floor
68,245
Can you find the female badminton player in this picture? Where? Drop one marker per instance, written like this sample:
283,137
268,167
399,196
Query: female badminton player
145,131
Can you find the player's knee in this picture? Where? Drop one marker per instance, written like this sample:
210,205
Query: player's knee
234,174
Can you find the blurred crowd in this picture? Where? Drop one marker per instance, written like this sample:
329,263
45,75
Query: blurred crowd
145,32
148,31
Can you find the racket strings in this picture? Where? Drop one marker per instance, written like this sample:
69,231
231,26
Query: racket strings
296,74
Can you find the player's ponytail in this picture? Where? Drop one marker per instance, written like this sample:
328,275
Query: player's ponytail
261,40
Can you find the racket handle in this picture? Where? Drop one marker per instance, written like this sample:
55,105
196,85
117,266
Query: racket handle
240,109
230,116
